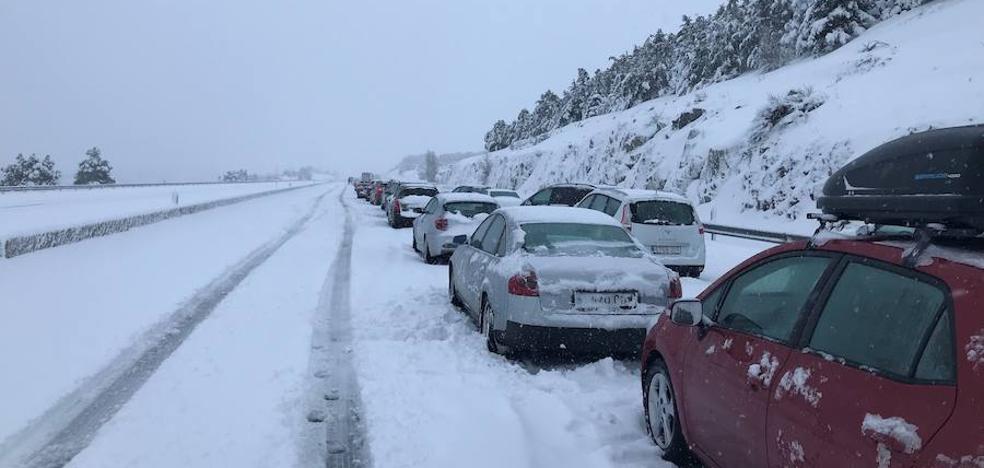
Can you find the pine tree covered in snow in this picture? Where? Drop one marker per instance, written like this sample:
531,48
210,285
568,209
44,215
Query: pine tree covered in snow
30,171
94,169
829,24
742,36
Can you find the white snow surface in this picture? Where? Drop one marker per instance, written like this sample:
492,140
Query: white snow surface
891,80
30,212
895,428
71,309
232,394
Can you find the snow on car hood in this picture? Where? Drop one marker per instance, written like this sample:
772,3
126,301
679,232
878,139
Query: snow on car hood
560,276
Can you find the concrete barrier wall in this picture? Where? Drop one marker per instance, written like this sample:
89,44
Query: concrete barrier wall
21,245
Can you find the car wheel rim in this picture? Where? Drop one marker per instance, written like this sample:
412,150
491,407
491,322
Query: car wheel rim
662,411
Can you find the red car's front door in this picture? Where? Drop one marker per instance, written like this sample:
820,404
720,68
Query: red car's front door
876,377
732,370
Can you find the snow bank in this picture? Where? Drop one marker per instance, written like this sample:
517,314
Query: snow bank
745,170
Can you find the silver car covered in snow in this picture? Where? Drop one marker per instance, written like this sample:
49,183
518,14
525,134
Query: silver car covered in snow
666,223
446,216
557,278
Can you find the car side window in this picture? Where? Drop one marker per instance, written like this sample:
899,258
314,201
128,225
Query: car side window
768,300
586,203
476,238
937,361
490,243
540,198
612,206
599,203
431,207
879,318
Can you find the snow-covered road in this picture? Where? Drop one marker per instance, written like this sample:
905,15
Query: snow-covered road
435,397
244,386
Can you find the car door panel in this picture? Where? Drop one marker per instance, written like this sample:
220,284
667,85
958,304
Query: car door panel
887,384
733,368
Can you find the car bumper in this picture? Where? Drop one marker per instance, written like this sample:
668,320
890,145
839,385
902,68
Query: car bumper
523,337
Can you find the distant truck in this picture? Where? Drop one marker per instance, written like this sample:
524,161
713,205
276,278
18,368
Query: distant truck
367,176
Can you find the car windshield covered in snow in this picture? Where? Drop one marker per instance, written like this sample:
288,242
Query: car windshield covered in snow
419,191
504,193
578,239
662,212
470,209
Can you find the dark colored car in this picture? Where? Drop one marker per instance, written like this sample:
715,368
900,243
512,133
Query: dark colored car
559,195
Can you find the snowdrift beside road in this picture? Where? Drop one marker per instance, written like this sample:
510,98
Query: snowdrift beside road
759,147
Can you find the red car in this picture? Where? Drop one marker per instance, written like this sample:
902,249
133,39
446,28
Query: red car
865,350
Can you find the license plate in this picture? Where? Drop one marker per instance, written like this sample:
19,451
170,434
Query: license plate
667,249
605,301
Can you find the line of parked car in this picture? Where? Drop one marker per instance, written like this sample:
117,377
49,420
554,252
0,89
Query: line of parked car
861,347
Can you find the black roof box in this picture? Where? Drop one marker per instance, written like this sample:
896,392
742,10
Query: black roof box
935,176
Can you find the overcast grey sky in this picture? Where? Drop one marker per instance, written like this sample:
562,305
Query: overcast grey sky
184,90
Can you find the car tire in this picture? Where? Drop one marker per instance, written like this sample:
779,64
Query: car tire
452,290
662,420
428,258
413,243
488,318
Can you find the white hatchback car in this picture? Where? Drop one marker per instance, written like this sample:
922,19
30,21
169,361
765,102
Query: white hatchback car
665,223
445,217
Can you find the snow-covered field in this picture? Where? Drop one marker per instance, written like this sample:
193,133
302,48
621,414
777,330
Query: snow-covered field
70,310
236,391
916,71
27,212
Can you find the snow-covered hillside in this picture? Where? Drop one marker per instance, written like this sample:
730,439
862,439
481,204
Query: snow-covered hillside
758,148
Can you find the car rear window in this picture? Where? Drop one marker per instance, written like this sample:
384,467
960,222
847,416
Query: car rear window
502,193
421,191
881,319
470,209
568,195
663,212
577,239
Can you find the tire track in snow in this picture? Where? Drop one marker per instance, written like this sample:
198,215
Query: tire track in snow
337,436
67,428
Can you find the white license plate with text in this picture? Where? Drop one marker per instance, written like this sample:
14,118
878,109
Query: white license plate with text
584,300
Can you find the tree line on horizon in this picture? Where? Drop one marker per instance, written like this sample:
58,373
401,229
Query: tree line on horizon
34,171
741,37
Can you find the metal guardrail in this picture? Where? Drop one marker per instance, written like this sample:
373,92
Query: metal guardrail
753,234
41,188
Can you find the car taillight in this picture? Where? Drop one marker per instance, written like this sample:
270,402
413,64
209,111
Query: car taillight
524,284
626,218
700,229
441,224
396,206
676,287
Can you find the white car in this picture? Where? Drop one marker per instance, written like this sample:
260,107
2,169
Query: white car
666,223
445,217
558,278
505,197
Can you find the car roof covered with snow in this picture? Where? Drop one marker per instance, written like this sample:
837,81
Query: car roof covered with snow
451,197
632,195
555,214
